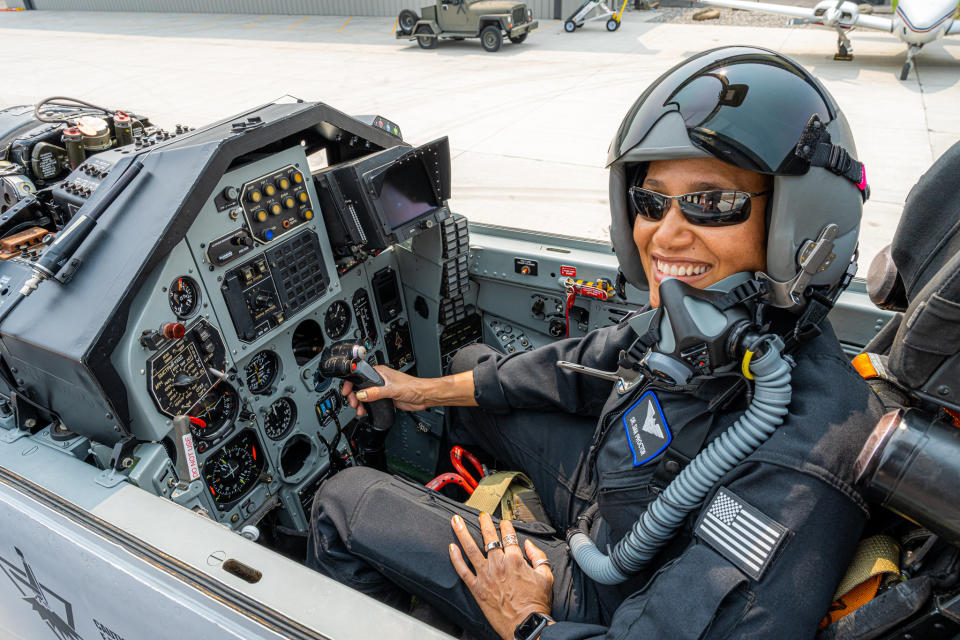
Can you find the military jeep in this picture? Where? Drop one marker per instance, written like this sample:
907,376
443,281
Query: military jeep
489,20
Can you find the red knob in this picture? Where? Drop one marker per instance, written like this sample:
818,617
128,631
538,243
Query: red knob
173,331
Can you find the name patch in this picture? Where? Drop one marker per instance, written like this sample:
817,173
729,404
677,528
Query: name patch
647,431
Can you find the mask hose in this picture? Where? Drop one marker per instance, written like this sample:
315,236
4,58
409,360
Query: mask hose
659,522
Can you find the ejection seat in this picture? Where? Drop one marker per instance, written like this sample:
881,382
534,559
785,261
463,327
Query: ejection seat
905,581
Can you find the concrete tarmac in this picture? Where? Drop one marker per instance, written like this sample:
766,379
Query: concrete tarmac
529,125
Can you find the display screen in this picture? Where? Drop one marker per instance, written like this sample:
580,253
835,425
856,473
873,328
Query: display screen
406,194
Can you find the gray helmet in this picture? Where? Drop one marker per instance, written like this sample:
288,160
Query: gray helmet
758,110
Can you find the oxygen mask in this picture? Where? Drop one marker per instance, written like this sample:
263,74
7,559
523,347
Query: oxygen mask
699,332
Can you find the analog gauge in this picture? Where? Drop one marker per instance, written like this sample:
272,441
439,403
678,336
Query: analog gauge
233,471
336,322
217,409
184,297
262,371
280,418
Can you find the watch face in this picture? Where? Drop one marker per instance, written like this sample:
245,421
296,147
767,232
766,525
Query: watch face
531,626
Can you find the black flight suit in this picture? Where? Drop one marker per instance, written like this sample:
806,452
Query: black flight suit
386,537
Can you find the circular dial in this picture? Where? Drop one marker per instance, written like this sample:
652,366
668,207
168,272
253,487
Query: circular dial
218,409
261,371
336,321
184,297
280,418
232,471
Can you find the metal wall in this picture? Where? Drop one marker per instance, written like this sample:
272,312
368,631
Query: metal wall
542,9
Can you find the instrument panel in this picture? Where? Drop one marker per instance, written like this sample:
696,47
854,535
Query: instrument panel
256,302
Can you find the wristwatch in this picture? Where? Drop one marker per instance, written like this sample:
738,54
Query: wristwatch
531,626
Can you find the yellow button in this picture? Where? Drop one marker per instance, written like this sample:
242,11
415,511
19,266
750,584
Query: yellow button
289,202
262,215
298,177
308,215
283,183
255,196
275,208
269,189
303,196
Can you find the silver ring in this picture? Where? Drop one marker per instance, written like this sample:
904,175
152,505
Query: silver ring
493,545
540,562
510,538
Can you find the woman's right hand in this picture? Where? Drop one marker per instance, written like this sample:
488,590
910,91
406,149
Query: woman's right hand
407,392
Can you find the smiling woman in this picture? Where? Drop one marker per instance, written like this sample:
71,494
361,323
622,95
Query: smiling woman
722,175
671,244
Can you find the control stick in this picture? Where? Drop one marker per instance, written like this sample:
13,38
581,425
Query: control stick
347,363
345,360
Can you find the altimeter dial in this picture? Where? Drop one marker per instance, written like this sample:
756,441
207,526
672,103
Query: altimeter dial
261,371
280,418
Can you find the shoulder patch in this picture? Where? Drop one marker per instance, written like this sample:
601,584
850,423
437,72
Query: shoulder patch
741,533
647,431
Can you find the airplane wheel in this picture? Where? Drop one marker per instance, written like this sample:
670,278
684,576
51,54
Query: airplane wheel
491,38
612,25
407,20
905,72
569,26
426,42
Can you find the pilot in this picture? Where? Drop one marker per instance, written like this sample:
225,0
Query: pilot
736,166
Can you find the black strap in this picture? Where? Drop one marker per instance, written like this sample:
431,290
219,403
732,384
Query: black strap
815,147
741,293
630,358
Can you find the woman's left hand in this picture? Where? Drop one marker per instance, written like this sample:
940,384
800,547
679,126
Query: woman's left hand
505,585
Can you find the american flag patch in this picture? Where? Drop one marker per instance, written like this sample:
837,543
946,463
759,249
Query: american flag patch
741,533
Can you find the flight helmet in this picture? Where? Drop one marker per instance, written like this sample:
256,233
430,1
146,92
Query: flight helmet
761,111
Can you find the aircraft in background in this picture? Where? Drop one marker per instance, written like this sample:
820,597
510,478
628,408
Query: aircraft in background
916,22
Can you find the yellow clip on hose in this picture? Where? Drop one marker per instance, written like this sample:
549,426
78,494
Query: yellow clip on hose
745,365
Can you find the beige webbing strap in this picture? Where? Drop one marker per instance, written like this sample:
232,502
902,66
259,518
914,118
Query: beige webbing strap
875,555
494,491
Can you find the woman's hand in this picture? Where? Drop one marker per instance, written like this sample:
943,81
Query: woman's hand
407,392
505,585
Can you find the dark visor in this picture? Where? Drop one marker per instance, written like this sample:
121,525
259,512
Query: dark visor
748,110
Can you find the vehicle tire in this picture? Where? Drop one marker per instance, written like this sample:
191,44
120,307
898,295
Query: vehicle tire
407,20
518,39
491,38
569,26
612,25
905,71
426,42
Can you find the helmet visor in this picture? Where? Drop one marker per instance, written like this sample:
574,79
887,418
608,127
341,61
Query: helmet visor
747,110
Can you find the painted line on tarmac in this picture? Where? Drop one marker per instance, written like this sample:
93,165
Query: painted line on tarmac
297,23
260,19
215,20
396,23
344,24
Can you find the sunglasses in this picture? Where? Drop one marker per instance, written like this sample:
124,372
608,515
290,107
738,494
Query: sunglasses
717,208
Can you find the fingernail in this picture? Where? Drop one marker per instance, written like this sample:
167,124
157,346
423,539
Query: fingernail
361,395
456,520
482,513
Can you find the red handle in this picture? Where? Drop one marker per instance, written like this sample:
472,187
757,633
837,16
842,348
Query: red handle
456,456
444,479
